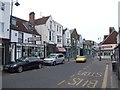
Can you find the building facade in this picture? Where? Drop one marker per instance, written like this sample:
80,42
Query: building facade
25,41
4,30
108,44
51,33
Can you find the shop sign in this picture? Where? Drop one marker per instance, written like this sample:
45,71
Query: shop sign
32,39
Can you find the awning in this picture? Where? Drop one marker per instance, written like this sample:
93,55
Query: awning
61,49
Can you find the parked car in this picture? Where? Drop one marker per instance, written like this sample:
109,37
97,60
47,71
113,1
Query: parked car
81,59
54,58
24,64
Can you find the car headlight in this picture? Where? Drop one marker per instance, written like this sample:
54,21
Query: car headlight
14,65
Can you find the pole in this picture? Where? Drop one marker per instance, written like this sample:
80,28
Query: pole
11,19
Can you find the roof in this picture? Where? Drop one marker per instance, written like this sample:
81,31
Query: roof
41,21
111,38
21,26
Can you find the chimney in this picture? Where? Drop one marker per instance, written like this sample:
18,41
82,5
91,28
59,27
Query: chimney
111,29
32,18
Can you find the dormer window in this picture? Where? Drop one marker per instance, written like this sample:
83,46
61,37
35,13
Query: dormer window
28,26
14,21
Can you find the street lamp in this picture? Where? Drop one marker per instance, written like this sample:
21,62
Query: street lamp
17,4
11,12
99,48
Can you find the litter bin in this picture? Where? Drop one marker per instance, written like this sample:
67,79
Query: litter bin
114,66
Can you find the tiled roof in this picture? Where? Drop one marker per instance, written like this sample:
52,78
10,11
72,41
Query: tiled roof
111,38
20,26
41,21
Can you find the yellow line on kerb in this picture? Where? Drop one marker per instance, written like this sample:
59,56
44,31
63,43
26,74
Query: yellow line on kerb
104,84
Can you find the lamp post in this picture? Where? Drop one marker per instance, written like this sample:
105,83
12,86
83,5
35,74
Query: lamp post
99,48
11,12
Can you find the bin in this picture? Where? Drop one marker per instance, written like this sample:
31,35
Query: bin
114,66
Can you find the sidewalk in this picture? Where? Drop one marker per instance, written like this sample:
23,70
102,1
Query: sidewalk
114,79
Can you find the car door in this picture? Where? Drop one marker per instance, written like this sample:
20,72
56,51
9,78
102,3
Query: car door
27,63
59,58
31,62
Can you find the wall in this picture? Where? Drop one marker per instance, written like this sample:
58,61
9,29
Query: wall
5,18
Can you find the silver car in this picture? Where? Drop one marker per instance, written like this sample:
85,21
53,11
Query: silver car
54,58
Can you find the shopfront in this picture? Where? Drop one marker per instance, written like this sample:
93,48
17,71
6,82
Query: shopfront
26,49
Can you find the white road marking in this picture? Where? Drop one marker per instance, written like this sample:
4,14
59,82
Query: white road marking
104,84
61,82
72,76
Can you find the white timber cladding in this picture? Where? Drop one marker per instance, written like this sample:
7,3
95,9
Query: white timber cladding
25,37
4,18
14,36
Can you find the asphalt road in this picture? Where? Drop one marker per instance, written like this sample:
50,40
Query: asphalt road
92,74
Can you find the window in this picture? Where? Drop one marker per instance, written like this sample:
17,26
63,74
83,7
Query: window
50,35
14,21
15,34
28,25
59,39
50,24
20,35
2,6
57,27
2,26
68,41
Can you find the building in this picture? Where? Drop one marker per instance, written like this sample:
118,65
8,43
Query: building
25,41
4,30
88,47
51,33
108,44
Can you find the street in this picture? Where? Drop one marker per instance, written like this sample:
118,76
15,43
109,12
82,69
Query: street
92,74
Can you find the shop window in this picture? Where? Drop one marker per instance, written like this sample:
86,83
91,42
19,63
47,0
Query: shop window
14,21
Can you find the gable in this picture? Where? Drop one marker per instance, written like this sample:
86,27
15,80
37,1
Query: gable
111,39
41,21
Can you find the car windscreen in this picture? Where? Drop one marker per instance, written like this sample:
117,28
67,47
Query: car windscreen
51,56
21,58
80,56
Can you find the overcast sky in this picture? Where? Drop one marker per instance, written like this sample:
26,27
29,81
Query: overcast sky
91,18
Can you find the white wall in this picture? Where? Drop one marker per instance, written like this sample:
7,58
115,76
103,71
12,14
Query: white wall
14,38
5,18
67,36
25,37
42,30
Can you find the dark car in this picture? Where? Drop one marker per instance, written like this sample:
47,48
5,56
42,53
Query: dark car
24,64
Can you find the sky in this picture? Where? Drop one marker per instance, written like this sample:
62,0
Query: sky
91,18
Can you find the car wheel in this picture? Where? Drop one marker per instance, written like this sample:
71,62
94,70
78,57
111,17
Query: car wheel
39,66
63,62
20,69
54,63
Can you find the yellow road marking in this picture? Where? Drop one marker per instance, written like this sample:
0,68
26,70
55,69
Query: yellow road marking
104,84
